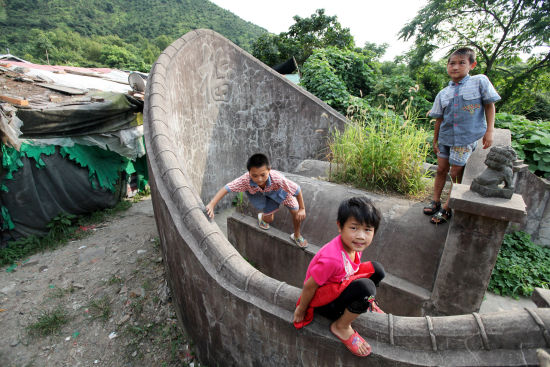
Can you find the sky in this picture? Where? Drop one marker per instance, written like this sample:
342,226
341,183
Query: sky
368,20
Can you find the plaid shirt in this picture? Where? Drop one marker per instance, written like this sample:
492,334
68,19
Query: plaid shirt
461,107
278,187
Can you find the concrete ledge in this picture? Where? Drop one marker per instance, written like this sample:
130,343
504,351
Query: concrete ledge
463,199
271,251
541,297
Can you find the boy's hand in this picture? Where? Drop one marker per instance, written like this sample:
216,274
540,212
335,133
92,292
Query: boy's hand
210,210
436,147
301,215
488,139
299,314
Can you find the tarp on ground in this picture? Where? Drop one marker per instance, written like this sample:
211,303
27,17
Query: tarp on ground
39,183
89,116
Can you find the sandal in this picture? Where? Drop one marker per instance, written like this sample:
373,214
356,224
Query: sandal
261,223
442,216
433,208
354,342
300,241
373,305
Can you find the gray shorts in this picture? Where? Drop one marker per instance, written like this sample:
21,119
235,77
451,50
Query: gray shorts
457,156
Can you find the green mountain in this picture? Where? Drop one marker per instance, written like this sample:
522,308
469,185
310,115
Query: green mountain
115,33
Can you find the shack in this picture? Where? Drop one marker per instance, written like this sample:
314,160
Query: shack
72,143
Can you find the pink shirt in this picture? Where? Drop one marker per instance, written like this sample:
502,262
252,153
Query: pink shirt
332,264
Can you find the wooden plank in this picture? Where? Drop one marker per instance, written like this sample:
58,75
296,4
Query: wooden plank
15,100
83,73
63,89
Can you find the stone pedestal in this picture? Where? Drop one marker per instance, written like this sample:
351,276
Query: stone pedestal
473,241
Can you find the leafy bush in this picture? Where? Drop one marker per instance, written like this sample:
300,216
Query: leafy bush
400,92
521,266
530,140
380,154
541,107
319,77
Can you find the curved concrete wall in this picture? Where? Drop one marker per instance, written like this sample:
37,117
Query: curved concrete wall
208,106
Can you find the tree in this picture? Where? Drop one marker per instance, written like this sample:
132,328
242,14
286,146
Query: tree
374,50
499,30
302,38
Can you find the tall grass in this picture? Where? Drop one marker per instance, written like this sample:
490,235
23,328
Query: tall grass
383,153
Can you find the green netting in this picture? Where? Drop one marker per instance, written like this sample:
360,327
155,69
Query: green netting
139,167
35,152
11,161
103,165
6,222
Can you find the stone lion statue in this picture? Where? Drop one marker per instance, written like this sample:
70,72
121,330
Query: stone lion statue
500,162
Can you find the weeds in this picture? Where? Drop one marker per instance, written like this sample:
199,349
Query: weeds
100,308
115,279
62,228
521,267
61,292
141,194
137,307
147,285
238,202
385,154
49,322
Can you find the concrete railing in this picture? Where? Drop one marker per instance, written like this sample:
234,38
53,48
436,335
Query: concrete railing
209,105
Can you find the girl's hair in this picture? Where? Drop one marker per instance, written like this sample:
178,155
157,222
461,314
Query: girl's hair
362,209
257,160
464,51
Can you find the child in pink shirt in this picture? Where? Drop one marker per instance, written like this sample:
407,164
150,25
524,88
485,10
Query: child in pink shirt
337,285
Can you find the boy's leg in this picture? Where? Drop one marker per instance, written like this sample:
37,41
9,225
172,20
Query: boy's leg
456,177
268,218
440,177
296,222
445,214
458,156
439,181
296,236
267,214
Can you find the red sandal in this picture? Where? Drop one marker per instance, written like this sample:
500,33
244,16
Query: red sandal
354,342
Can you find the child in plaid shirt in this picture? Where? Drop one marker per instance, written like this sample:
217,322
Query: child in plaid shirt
464,112
267,189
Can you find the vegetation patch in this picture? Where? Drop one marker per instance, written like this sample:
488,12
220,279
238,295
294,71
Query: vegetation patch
62,228
49,322
100,308
530,140
521,267
381,154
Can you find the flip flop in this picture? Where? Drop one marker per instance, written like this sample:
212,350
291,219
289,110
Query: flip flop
301,242
442,216
433,208
261,223
353,343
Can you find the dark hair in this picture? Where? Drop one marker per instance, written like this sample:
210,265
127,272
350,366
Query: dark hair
362,209
257,160
464,51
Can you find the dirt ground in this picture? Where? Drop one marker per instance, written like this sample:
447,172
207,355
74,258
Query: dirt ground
108,287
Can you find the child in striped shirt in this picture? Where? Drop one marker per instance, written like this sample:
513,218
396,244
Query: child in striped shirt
267,189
